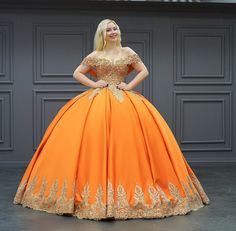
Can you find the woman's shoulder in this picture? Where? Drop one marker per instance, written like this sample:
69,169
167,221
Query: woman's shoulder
128,50
93,54
90,58
132,56
125,52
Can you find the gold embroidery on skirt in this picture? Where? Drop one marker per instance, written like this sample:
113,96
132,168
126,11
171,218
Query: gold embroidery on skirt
199,188
161,205
116,92
154,195
51,204
139,198
110,199
112,87
20,192
94,92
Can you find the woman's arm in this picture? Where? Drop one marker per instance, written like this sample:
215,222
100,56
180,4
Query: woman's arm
138,66
82,69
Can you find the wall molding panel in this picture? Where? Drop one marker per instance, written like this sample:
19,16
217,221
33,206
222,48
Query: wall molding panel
203,54
203,120
55,42
6,120
6,52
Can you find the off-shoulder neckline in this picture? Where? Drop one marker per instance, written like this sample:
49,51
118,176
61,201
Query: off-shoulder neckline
116,60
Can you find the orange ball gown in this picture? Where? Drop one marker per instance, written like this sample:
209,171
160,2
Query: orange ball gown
109,153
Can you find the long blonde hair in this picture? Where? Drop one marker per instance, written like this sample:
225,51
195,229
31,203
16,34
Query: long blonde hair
99,38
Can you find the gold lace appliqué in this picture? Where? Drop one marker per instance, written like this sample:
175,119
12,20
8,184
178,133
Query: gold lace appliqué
118,207
111,71
27,197
94,92
94,61
117,93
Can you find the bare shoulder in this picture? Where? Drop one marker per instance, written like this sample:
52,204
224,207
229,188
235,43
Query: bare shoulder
129,50
133,57
93,54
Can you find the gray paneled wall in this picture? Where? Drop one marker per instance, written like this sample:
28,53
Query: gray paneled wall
191,64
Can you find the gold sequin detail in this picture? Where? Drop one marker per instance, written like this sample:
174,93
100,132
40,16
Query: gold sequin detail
111,71
39,201
110,199
198,186
107,204
116,92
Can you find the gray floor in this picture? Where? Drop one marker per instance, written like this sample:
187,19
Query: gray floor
218,182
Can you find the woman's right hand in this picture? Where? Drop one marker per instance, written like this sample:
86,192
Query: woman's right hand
101,83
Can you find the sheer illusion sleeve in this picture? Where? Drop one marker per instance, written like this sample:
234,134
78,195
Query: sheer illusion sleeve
132,59
90,62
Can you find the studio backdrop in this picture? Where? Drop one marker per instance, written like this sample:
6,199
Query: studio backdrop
190,56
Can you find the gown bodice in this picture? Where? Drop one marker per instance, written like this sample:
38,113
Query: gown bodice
111,71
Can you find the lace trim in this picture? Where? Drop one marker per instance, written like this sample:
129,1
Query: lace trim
161,205
95,61
117,93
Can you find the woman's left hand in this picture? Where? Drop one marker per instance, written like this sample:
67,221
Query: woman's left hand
123,86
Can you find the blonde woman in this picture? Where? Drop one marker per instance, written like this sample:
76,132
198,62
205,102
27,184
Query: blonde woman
108,153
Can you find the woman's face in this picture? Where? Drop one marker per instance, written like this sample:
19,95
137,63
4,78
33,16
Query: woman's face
111,32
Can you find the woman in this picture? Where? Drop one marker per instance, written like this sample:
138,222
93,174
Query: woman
108,153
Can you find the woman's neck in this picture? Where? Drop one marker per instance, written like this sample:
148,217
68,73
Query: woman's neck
110,48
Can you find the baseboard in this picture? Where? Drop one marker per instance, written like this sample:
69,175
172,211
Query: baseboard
213,163
13,164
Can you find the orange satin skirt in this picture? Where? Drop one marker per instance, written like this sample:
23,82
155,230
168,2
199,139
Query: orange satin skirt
109,153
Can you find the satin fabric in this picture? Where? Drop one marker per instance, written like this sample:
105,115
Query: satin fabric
95,140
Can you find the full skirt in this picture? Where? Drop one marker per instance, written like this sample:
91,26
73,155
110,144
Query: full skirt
109,153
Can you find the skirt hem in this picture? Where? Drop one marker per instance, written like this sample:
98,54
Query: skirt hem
136,215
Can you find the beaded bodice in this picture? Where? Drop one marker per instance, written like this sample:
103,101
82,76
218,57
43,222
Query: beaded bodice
109,70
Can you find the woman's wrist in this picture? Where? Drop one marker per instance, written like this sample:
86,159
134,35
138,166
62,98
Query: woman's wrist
94,85
129,87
